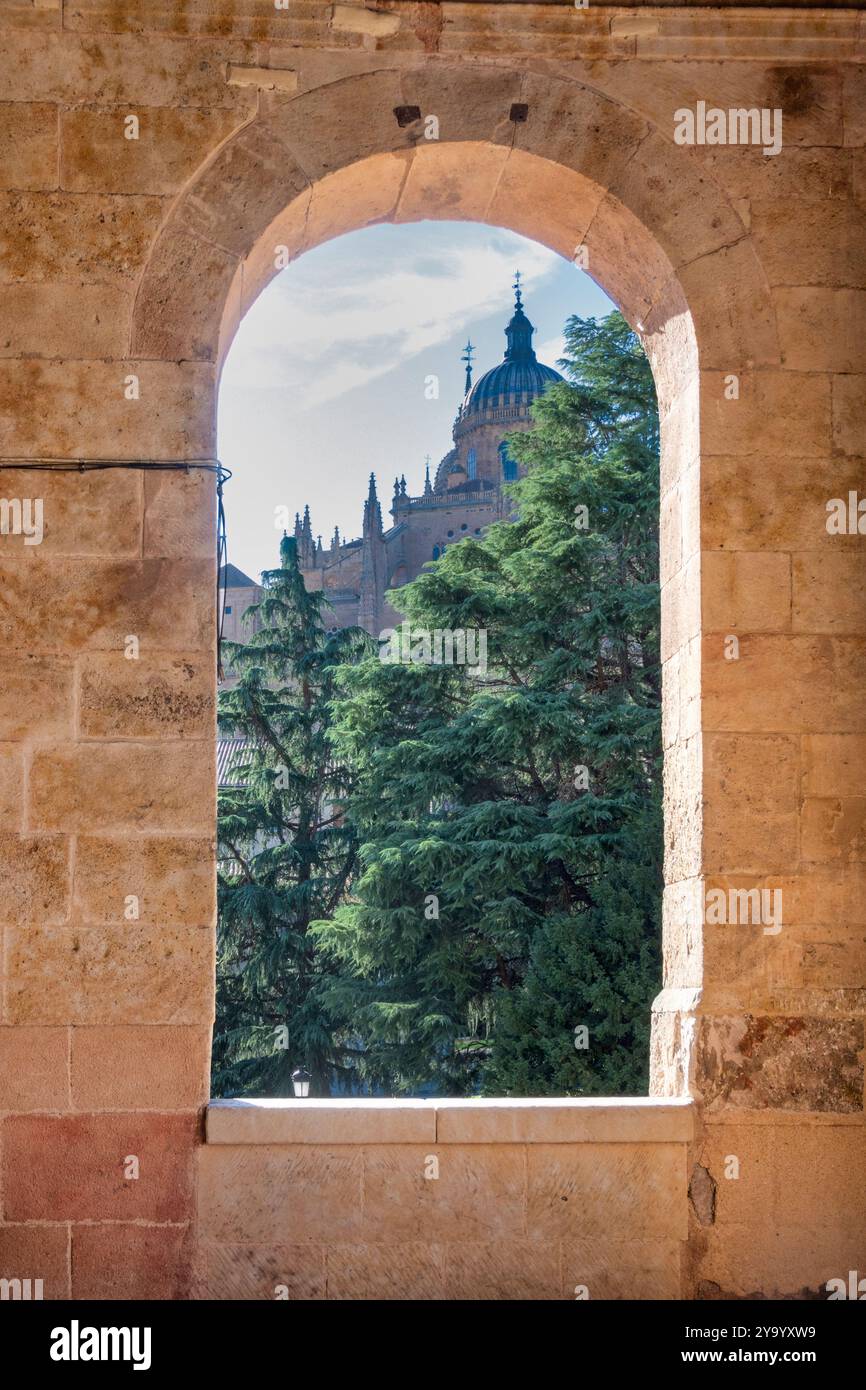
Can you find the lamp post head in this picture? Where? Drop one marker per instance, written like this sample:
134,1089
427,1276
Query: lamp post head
301,1083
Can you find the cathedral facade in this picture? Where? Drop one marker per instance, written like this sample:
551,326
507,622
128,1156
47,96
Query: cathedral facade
463,498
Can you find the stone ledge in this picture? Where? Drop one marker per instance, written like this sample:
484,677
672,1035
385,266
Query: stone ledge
532,1121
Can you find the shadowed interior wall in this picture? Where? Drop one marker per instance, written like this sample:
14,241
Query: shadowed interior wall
136,258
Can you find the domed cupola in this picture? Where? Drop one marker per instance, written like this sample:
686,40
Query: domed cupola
519,378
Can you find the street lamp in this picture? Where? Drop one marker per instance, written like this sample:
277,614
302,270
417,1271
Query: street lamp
301,1083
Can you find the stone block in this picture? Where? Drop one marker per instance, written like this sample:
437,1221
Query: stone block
28,145
780,414
36,878
472,104
501,1271
835,968
36,1252
780,505
368,1121
74,604
560,209
58,320
834,830
179,310
562,1121
155,696
123,787
745,590
453,182
809,94
36,697
173,878
834,765
107,69
179,514
139,1068
732,308
798,173
821,329
68,409
96,156
622,1269
683,800
157,1261
83,513
580,128
751,787
785,684
78,238
823,245
781,1063
12,786
739,1161
680,435
620,1192
340,202
322,134
818,1175
267,1195
478,1195
739,960
400,1270
34,1069
849,415
630,264
681,608
109,975
682,941
667,188
755,1261
90,1183
829,592
251,1272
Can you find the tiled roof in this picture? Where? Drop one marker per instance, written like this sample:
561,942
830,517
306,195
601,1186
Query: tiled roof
233,578
230,752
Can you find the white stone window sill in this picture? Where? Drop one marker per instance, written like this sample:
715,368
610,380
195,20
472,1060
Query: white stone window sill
624,1120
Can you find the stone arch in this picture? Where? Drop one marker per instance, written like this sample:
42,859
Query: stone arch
583,173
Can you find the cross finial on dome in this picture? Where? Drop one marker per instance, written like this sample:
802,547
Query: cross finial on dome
467,358
518,302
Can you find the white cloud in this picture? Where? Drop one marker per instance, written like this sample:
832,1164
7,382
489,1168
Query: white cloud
330,337
550,351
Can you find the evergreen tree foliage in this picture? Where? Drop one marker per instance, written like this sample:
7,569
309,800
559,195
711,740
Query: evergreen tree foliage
286,850
508,821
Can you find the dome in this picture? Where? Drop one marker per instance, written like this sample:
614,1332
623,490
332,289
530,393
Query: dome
518,379
511,383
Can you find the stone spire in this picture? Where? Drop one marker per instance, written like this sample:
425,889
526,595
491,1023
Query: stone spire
372,511
428,487
373,563
335,539
306,548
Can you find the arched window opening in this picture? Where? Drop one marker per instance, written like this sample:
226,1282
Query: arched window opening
397,649
507,464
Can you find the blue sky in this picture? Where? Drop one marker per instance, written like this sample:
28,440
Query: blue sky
325,380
